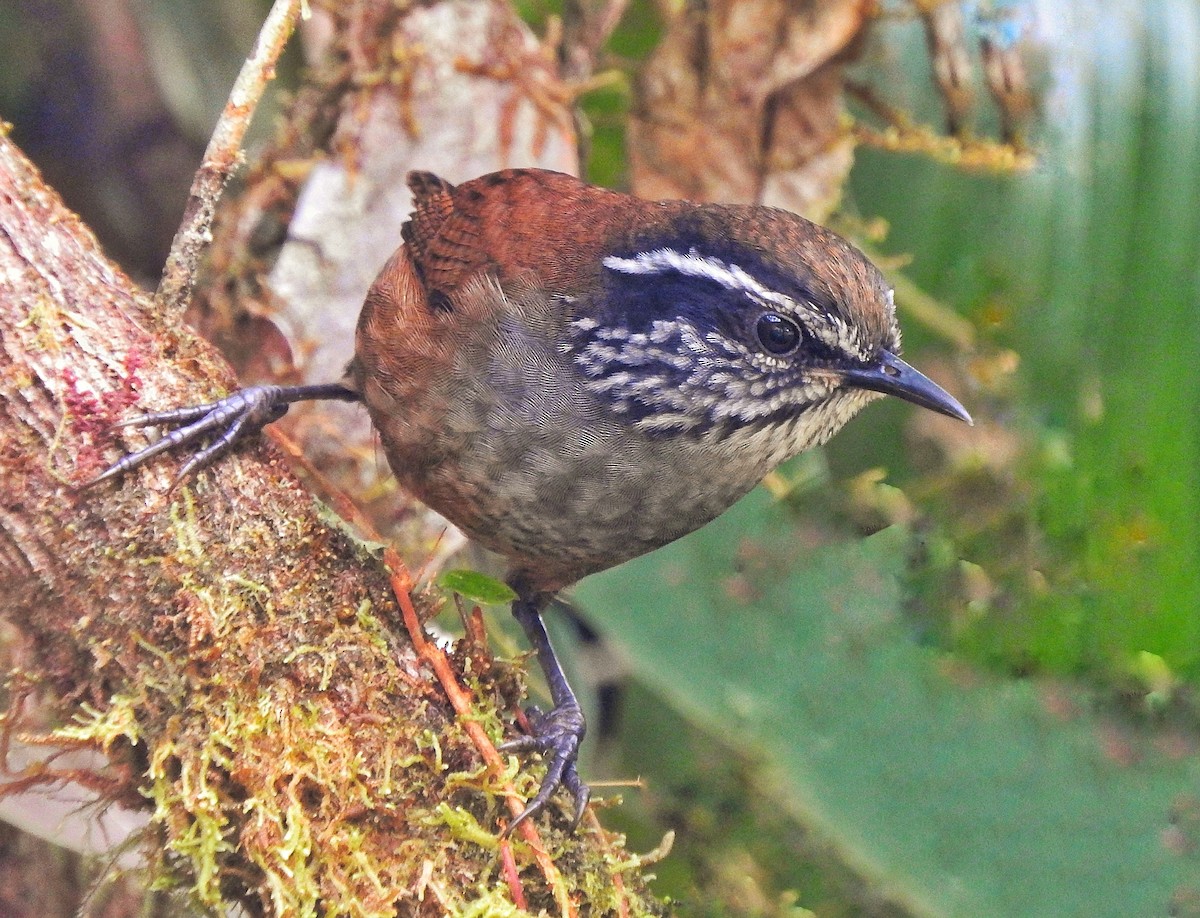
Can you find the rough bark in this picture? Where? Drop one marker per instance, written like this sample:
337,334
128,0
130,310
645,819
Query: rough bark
236,655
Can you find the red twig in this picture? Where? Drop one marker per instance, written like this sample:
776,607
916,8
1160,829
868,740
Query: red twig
461,702
509,865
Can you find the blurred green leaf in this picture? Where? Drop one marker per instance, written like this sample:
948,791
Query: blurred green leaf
952,793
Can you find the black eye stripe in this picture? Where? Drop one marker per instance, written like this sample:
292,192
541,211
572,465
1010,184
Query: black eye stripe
777,334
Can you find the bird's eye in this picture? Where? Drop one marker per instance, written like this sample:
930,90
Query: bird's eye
778,334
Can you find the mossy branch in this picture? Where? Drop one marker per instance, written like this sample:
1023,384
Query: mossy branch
241,662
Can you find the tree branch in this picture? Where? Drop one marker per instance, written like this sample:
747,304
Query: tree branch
222,157
237,656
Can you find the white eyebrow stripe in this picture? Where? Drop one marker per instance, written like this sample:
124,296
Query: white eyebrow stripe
693,264
830,329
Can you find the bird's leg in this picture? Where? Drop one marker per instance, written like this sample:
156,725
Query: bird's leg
557,733
222,423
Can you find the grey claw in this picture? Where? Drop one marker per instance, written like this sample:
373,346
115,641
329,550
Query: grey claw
225,421
228,419
519,744
557,734
580,791
174,416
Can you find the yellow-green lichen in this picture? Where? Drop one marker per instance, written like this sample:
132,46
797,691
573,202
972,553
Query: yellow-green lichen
490,903
102,728
296,761
463,826
190,810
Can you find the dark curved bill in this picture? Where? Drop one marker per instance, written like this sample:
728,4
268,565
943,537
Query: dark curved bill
893,376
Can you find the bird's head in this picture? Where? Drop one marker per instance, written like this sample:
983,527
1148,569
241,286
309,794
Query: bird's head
722,321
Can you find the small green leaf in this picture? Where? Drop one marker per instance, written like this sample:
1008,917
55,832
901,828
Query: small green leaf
477,587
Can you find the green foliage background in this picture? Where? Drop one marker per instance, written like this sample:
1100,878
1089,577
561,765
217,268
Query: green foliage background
1087,268
992,744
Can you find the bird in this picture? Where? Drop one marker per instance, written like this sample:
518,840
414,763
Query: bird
576,376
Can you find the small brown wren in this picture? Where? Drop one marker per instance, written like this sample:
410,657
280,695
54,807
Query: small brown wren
576,377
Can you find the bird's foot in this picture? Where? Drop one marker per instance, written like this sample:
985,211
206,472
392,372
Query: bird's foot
557,735
222,422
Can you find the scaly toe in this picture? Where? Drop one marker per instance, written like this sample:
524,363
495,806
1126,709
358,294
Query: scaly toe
222,423
557,736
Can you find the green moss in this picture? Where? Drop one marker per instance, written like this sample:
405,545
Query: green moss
189,808
463,826
102,728
370,625
491,903
296,761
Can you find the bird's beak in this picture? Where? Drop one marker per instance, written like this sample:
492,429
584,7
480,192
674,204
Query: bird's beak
893,376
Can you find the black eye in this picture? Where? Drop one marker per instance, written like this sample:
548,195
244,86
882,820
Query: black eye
777,333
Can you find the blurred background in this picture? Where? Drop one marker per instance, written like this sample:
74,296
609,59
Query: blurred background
927,670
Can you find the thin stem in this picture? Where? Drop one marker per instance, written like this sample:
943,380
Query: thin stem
221,158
